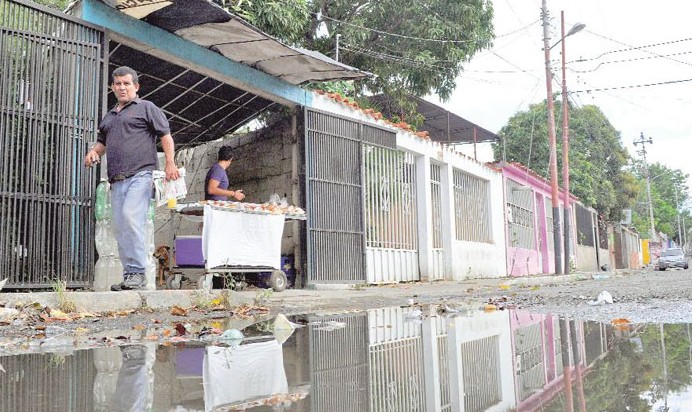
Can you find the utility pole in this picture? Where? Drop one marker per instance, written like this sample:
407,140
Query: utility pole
338,37
677,209
557,228
643,141
565,148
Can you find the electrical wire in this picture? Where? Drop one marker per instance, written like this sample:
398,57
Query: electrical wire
639,48
630,48
626,60
403,36
633,86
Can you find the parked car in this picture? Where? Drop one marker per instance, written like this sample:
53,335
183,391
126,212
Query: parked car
672,258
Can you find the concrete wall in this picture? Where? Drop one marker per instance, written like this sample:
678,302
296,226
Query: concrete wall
586,259
462,259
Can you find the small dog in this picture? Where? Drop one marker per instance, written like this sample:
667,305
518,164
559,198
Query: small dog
163,255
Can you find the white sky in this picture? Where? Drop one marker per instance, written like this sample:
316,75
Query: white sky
661,112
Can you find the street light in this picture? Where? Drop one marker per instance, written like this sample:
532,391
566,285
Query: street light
565,139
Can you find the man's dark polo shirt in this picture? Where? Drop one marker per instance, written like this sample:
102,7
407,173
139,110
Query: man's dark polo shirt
130,137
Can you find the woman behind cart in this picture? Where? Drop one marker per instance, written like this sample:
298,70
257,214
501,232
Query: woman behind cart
216,182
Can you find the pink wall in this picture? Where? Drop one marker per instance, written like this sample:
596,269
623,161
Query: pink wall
522,261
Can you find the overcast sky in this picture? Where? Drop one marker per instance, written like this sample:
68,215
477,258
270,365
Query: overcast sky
661,112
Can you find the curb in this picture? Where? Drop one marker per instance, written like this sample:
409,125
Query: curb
118,301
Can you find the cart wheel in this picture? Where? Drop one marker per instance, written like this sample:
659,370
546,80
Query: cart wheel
174,281
278,281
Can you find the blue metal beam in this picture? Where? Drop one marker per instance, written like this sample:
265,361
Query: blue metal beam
244,77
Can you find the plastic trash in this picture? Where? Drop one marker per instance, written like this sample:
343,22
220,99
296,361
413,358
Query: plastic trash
232,337
274,199
283,328
2,283
330,326
599,277
603,298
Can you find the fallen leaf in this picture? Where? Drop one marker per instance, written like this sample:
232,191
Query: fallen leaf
152,337
490,307
167,333
178,311
505,287
138,327
122,337
156,321
620,321
217,301
81,330
180,328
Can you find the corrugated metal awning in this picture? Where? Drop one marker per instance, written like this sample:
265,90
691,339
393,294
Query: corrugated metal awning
208,25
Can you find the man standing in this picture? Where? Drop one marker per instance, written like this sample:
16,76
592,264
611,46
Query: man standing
216,182
129,132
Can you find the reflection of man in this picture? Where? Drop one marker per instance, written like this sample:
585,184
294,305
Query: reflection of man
129,131
130,392
216,182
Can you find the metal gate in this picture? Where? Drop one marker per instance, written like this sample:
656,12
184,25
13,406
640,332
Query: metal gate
390,215
50,90
335,194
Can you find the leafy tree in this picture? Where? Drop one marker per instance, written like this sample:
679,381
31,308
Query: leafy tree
665,184
597,157
388,38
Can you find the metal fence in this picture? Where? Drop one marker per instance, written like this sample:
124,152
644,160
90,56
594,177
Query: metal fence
47,382
339,364
50,91
471,208
481,370
520,215
528,351
445,389
396,375
390,198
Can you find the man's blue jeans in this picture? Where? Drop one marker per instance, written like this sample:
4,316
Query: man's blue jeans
130,198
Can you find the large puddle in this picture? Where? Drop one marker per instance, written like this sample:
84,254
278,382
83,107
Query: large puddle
394,359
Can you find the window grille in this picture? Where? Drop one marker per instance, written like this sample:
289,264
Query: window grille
520,215
471,208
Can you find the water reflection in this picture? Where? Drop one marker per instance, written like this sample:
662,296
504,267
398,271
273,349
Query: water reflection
394,359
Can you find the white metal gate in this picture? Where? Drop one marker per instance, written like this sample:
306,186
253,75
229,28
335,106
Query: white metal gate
390,215
438,256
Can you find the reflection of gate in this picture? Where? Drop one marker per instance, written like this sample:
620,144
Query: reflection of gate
48,382
50,88
481,370
339,364
396,362
334,155
437,248
390,215
528,350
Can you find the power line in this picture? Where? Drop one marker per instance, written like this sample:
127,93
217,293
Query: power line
515,66
640,48
626,60
403,36
630,48
634,86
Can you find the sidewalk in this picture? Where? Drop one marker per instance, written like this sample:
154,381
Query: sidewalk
300,299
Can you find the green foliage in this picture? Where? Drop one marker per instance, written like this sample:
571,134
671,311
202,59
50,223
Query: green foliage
413,65
597,157
666,183
54,4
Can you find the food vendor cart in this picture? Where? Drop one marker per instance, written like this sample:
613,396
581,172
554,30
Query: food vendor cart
237,239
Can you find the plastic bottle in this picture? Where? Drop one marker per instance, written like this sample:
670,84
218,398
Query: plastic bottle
150,271
108,269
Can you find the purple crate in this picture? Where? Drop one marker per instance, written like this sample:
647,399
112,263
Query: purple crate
188,251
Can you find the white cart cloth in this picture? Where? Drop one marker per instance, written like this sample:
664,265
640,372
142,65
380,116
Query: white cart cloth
246,372
234,238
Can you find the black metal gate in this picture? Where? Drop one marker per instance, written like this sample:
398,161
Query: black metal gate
335,194
50,97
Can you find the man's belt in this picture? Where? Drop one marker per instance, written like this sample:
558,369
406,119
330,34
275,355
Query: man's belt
119,177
